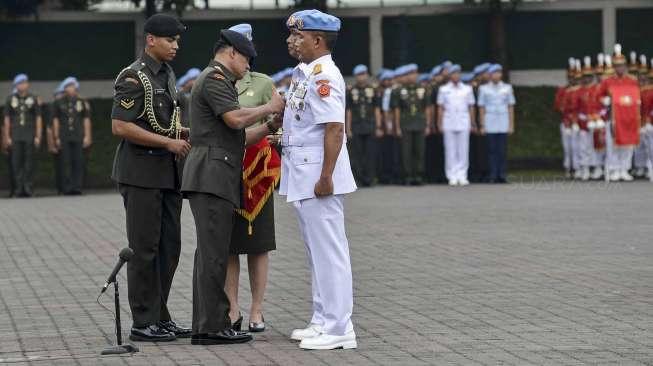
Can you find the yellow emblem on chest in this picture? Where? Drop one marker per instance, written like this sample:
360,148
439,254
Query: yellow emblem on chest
250,93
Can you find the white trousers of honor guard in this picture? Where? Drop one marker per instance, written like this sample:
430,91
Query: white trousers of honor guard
322,225
456,154
617,158
567,146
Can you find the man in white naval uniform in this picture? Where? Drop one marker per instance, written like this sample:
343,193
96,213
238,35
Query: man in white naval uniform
315,176
456,115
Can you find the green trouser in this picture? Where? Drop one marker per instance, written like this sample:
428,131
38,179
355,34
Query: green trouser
363,152
412,153
72,166
22,163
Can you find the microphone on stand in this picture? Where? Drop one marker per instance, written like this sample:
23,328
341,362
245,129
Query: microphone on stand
125,255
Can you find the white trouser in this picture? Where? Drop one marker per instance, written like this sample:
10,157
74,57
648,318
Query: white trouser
617,158
640,155
582,149
566,137
456,154
322,225
647,137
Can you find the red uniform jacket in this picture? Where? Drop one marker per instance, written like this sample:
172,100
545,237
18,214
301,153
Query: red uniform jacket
625,108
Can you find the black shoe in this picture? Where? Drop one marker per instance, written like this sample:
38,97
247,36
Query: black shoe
257,327
227,336
238,324
172,327
153,333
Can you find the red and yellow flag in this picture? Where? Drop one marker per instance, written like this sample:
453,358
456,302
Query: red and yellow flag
261,173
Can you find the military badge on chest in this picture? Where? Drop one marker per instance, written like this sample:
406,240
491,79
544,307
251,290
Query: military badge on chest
29,102
14,102
354,95
420,93
79,106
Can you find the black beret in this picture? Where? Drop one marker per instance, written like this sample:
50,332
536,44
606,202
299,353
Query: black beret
162,25
239,42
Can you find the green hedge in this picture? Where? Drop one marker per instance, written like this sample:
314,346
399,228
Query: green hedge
536,140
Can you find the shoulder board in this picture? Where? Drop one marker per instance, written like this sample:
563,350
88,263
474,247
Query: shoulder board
317,69
217,76
258,75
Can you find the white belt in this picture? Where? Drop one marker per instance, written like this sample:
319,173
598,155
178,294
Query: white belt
288,140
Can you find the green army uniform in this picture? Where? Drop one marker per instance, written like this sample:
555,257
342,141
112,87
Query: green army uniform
254,89
435,143
363,102
145,94
213,184
71,111
183,100
412,101
23,112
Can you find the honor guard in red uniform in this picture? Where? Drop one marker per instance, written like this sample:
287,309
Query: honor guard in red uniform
647,118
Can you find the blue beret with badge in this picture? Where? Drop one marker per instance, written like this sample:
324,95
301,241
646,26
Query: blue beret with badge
399,71
313,20
436,70
424,77
411,68
244,29
480,69
446,65
20,78
360,69
454,68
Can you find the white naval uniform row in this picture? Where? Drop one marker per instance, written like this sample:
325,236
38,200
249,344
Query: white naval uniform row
455,99
321,220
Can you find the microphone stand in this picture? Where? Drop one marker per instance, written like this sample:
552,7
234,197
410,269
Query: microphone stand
119,348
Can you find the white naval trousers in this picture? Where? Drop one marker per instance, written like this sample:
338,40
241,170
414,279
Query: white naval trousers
640,155
322,225
456,154
566,135
598,156
582,149
616,158
647,138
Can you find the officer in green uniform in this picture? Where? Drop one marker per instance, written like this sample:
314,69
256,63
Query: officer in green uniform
146,118
254,89
23,126
213,178
71,126
410,105
363,124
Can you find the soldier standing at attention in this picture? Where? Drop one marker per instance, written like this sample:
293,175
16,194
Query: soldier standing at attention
146,118
363,125
71,128
387,142
23,126
412,116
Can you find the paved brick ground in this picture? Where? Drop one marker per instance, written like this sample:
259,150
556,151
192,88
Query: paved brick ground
530,273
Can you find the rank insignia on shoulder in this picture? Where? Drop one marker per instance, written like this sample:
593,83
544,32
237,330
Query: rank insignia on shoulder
317,69
217,76
323,81
324,90
127,103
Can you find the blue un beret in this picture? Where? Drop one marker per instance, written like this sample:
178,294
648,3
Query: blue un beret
313,20
70,80
423,77
479,69
400,71
467,77
454,68
411,68
360,69
189,75
20,78
495,68
387,75
244,29
435,71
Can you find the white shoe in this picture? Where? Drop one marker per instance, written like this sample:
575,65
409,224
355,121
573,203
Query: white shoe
626,177
615,176
598,173
639,172
327,341
463,182
568,174
313,330
577,174
453,182
586,174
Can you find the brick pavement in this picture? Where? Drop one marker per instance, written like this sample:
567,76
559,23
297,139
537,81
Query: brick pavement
525,274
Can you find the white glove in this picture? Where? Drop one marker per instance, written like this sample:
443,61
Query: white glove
642,130
575,127
591,125
582,116
567,131
606,101
600,124
649,127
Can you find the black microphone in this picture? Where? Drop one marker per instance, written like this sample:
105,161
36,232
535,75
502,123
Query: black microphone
125,255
